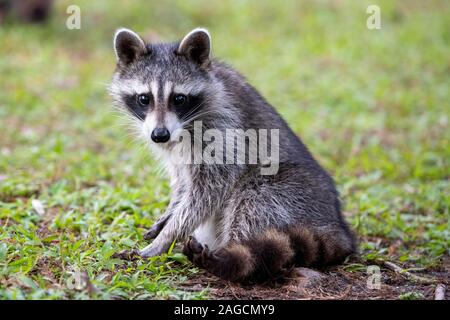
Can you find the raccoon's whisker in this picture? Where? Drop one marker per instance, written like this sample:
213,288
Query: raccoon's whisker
128,118
126,112
129,126
187,115
196,116
133,126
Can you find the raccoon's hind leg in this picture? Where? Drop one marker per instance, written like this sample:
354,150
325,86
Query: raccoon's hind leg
266,257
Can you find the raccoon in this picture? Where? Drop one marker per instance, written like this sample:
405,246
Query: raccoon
236,222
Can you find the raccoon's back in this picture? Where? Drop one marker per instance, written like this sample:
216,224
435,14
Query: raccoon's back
257,113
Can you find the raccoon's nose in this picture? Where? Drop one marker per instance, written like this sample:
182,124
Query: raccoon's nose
160,135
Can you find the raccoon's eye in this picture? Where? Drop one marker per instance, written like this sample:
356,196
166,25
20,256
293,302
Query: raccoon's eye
179,100
143,99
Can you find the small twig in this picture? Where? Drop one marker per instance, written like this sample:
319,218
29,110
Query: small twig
392,266
439,293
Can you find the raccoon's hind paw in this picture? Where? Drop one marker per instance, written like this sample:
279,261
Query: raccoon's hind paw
232,263
196,252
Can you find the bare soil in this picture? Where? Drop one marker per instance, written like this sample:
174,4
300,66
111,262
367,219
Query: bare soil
332,284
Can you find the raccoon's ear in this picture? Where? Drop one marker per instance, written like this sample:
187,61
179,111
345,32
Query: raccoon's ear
128,45
196,46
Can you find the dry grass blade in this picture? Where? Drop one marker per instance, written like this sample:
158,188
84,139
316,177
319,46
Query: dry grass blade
392,266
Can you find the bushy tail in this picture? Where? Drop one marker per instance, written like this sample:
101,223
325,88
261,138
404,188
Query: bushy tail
270,255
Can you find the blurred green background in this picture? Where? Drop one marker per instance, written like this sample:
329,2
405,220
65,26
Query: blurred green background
372,106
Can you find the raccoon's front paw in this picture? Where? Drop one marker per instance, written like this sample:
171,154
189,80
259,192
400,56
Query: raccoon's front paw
156,228
152,251
153,232
196,252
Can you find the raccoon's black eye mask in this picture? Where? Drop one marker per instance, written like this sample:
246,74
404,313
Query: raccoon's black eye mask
187,107
138,105
184,106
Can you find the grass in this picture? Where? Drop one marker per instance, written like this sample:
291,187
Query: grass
373,107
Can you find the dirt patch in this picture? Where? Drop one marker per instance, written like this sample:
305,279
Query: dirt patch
333,284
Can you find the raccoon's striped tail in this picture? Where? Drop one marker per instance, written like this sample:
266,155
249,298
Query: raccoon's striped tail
271,255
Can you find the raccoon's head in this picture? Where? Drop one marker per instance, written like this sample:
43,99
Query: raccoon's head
163,87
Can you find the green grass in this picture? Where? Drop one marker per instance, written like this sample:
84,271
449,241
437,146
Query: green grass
373,107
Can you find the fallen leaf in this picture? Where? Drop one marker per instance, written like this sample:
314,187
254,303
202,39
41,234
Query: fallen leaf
38,207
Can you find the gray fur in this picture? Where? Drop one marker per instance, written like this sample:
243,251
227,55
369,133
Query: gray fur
234,202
